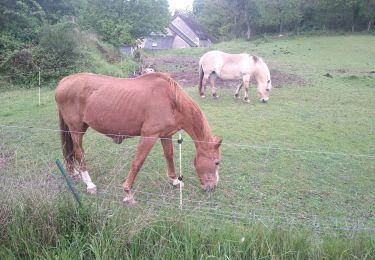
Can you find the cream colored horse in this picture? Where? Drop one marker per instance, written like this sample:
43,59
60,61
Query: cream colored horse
234,66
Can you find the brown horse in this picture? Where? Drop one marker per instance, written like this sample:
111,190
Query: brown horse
152,106
234,66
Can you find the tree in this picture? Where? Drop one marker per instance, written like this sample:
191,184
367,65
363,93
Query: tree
215,16
22,18
249,11
121,21
368,12
281,13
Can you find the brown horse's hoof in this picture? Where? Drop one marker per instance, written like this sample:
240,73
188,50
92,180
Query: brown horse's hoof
177,183
129,200
91,191
215,96
236,96
202,96
247,100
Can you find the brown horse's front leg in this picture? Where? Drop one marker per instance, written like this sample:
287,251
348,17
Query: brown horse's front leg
168,153
144,147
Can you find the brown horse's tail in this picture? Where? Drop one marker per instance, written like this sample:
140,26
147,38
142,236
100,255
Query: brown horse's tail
201,74
66,143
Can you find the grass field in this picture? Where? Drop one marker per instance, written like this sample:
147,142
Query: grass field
296,179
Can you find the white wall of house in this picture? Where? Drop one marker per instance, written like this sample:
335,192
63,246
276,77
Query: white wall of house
179,43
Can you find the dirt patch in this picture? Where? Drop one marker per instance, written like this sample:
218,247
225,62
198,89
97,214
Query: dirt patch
184,69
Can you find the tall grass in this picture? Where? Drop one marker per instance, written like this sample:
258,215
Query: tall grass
67,231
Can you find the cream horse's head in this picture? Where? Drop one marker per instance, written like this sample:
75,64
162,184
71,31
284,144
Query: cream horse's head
263,78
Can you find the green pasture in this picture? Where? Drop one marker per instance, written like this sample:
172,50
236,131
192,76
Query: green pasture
299,168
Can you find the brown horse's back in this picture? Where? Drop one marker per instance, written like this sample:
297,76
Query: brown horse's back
110,105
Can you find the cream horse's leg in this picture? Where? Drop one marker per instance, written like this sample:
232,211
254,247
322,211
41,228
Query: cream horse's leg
144,147
204,83
212,83
246,82
237,93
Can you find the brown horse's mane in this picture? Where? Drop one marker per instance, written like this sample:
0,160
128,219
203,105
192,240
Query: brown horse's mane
190,109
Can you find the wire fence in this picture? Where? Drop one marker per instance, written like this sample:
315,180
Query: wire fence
325,191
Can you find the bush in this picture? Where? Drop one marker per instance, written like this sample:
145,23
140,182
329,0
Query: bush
8,44
21,68
57,55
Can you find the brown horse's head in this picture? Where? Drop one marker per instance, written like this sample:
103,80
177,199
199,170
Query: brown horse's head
207,162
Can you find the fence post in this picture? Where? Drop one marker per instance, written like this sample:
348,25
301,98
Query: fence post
39,86
69,183
180,177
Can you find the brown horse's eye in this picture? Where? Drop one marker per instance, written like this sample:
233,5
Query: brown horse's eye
217,163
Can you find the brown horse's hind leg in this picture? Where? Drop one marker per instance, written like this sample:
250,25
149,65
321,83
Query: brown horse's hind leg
77,137
168,153
144,147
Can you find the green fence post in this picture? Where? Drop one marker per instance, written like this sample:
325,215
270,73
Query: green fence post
69,183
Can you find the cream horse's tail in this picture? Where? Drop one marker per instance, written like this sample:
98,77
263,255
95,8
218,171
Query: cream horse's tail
201,74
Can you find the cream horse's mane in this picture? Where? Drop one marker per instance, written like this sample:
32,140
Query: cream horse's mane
264,65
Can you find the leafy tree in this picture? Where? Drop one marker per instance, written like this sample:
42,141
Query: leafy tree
281,13
55,10
215,16
21,18
368,12
250,16
121,21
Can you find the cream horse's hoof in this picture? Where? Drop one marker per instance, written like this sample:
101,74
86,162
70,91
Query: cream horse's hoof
247,100
236,96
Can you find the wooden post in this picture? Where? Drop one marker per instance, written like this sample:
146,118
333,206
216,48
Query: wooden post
39,87
180,177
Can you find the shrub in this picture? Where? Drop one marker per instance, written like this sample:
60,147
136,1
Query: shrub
21,68
58,54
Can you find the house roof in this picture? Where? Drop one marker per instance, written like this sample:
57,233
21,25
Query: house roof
182,35
198,29
165,39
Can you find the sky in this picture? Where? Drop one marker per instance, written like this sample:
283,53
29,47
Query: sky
180,4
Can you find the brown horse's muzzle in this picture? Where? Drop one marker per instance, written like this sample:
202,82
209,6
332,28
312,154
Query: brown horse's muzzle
209,188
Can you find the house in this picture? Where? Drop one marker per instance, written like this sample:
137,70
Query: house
128,49
182,32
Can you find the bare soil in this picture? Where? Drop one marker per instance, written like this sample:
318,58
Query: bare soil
184,69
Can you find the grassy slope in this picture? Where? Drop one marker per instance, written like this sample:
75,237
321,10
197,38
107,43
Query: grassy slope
263,177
